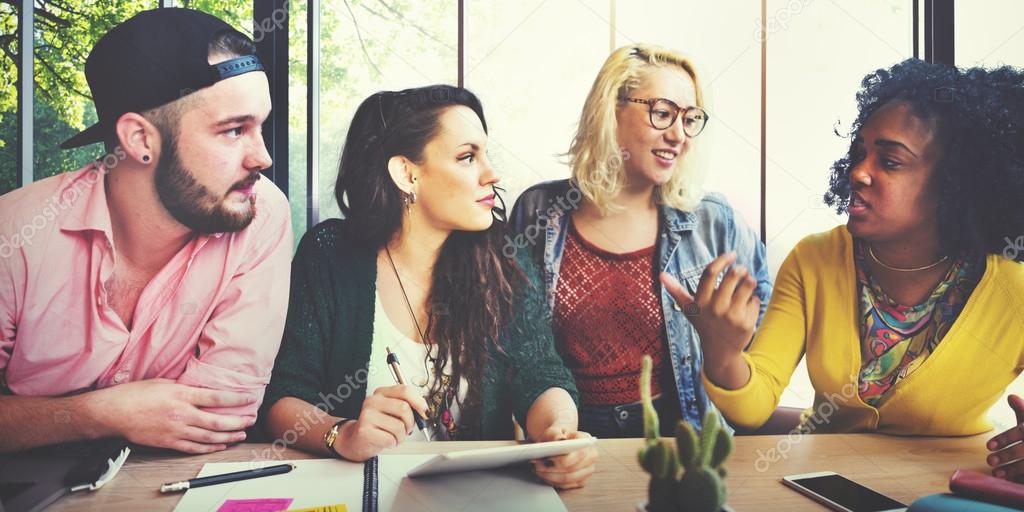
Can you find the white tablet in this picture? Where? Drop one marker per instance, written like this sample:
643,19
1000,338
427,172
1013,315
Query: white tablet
490,458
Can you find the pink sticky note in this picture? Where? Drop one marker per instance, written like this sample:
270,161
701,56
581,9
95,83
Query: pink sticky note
260,505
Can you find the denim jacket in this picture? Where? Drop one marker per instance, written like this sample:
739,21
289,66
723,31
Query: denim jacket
688,242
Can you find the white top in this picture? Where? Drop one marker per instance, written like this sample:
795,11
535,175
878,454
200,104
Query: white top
412,356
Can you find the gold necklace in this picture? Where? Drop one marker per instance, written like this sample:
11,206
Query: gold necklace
871,251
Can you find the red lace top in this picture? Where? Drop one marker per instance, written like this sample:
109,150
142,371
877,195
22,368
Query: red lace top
607,315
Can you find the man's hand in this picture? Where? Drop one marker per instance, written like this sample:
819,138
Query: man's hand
164,414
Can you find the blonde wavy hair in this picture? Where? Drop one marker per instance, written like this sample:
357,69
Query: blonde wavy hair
595,157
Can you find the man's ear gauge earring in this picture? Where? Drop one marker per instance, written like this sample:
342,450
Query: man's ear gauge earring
145,158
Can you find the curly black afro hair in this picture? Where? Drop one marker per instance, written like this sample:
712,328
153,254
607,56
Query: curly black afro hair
978,115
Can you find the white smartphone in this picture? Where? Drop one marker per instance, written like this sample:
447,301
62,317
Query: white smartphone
840,493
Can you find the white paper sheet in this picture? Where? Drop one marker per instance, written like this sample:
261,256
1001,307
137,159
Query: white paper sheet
328,481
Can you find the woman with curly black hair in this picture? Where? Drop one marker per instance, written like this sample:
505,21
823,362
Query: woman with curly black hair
910,315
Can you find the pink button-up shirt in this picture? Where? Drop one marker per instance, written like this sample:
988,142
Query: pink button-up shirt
211,317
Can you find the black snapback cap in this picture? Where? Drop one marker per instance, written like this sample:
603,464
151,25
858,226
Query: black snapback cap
152,59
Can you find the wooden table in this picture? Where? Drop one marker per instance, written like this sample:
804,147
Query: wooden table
903,468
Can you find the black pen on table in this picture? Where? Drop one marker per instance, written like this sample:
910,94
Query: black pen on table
185,485
396,371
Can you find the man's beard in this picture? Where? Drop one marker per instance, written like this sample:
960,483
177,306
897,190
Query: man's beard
192,204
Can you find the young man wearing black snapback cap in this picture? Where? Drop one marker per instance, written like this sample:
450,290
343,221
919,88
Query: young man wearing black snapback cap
144,295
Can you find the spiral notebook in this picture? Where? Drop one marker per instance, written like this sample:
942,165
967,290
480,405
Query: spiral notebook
379,485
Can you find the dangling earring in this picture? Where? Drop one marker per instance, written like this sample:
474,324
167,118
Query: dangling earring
409,200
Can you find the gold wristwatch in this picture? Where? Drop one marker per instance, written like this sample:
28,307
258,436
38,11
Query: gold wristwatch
332,435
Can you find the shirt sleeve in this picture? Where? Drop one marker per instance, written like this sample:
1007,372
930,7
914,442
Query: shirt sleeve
238,344
778,346
10,266
536,365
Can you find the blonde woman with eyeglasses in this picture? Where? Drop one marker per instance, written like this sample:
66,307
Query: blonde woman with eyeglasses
633,208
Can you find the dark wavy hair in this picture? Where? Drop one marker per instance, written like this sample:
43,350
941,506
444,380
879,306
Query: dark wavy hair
471,295
978,115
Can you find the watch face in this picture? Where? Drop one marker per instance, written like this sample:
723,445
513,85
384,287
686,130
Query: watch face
331,436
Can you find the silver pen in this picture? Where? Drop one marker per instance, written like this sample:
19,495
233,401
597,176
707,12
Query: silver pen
396,372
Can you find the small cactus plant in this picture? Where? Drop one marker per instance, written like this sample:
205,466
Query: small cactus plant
701,486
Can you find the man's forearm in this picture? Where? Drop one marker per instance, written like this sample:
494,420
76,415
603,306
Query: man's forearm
29,421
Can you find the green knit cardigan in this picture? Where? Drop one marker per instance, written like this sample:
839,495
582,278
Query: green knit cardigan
329,331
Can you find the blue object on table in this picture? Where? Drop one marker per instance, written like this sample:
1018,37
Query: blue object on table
953,503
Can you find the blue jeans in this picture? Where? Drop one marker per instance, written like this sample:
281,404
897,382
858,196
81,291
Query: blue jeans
627,420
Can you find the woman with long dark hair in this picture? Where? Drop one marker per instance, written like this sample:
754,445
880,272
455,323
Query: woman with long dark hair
415,269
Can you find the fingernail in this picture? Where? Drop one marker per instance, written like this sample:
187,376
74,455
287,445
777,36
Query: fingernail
992,445
240,436
993,460
999,473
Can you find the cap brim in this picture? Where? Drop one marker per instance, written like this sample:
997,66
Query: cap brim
89,135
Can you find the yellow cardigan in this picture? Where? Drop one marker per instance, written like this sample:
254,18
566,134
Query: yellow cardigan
814,309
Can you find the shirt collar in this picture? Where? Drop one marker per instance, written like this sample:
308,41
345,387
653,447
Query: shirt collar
678,220
84,196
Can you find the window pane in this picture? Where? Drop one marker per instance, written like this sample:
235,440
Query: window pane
725,49
813,75
297,142
532,120
237,13
811,88
989,33
368,46
9,138
64,36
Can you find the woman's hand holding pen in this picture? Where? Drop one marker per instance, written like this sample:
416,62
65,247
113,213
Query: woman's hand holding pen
385,420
